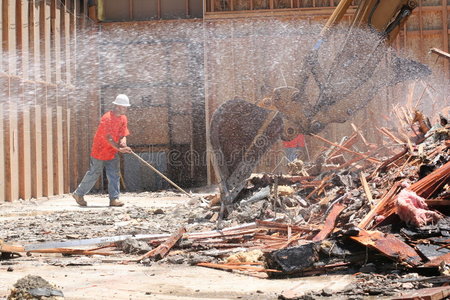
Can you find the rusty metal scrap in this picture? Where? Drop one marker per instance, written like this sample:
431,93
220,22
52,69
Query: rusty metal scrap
330,222
390,246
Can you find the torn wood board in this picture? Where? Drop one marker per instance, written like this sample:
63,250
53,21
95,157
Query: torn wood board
384,207
161,251
371,159
390,246
438,260
330,222
237,266
366,189
434,293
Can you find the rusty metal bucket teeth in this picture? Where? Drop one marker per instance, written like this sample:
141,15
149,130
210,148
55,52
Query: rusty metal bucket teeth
241,133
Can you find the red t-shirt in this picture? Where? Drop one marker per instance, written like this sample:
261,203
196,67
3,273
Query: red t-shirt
298,141
117,127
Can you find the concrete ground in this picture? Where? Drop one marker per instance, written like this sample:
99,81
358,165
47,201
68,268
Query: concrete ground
107,278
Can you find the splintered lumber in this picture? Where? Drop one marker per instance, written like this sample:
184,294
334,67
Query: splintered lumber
389,161
431,183
425,188
390,135
20,249
434,293
390,246
284,227
237,267
347,144
440,52
161,251
366,189
371,159
330,222
438,260
385,207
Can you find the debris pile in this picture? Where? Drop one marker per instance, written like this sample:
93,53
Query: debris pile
380,211
34,287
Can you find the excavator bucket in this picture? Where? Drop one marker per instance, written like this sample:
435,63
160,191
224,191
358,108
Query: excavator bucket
240,134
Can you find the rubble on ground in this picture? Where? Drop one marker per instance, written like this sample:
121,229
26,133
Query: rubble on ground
378,211
34,287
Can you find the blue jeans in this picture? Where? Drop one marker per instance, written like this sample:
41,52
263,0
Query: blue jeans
112,168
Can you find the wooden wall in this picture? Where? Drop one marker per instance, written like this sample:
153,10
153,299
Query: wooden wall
38,98
55,85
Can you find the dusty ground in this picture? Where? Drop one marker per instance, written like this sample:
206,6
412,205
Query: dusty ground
100,277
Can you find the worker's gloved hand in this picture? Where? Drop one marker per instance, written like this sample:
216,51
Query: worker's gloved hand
125,149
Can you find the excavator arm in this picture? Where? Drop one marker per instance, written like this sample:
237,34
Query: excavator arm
242,132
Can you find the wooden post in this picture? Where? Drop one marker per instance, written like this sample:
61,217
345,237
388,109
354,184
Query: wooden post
44,20
55,39
24,108
48,153
11,148
2,156
36,153
58,146
24,151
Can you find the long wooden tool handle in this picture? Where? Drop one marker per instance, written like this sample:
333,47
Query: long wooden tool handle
160,174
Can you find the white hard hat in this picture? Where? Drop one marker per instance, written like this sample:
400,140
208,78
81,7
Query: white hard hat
122,100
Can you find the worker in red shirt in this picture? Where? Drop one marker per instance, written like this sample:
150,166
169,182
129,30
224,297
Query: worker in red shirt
109,139
292,148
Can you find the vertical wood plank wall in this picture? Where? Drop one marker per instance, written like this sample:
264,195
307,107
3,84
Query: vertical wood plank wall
45,133
38,58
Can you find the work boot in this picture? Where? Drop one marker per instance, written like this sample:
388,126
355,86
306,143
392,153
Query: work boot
115,202
80,199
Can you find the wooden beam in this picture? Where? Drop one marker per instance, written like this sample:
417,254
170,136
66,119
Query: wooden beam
55,40
36,152
48,153
11,144
9,35
22,36
2,158
24,146
58,152
445,41
65,45
73,141
34,36
44,20
66,149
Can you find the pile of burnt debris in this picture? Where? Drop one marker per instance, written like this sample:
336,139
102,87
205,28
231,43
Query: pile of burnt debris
357,208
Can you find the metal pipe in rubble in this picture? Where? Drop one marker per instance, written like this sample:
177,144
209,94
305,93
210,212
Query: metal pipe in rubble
160,174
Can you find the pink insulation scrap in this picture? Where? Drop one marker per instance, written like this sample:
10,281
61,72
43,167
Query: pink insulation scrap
412,209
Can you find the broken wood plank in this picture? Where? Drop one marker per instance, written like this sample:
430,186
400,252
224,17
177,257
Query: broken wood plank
371,159
366,189
438,260
330,222
162,250
390,246
384,207
434,293
236,267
